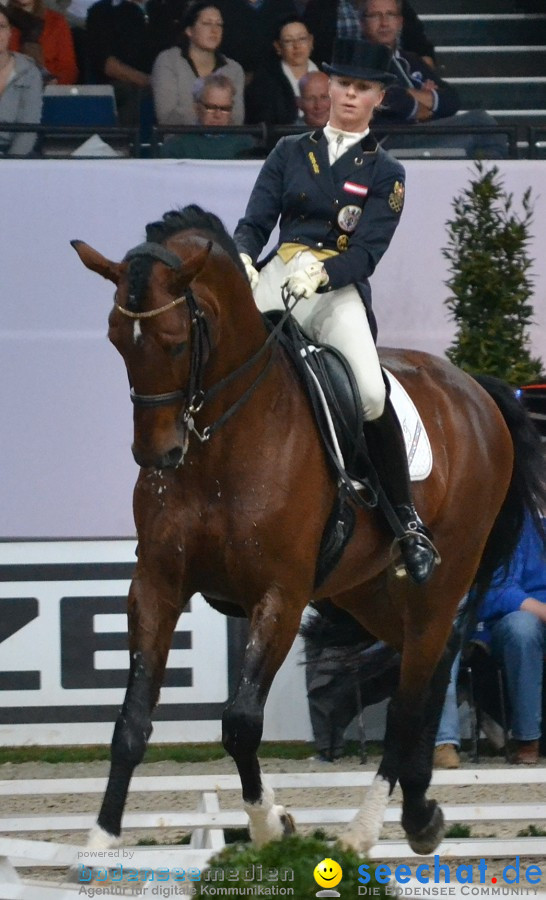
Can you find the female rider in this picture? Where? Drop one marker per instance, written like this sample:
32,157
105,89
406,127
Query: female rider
339,197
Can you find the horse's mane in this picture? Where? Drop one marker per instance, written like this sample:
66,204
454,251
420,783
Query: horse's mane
173,222
192,216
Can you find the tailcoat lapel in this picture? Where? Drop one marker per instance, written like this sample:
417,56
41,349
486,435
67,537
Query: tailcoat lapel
355,158
315,148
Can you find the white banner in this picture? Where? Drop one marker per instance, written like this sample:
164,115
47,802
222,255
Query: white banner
64,655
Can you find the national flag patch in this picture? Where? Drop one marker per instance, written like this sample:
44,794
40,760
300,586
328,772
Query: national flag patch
353,188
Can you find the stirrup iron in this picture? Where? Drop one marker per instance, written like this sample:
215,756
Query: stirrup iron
400,569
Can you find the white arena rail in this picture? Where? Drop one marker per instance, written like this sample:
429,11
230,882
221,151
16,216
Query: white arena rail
208,821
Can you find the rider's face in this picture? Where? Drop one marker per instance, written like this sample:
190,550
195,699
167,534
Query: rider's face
353,101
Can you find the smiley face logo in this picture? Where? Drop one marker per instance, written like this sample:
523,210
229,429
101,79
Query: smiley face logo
327,874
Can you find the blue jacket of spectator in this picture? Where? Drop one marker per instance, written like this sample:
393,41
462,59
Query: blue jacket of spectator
526,577
399,107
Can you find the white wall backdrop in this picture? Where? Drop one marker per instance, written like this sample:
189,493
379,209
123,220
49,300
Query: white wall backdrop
66,465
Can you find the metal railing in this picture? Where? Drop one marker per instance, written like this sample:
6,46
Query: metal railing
51,138
537,141
160,132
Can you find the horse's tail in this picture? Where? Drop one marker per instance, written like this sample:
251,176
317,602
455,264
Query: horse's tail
331,626
527,490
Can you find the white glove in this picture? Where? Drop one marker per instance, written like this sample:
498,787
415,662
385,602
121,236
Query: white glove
305,282
251,273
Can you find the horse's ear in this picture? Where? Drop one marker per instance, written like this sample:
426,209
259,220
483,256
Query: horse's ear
98,263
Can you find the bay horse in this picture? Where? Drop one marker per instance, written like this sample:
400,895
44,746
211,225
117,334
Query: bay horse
232,500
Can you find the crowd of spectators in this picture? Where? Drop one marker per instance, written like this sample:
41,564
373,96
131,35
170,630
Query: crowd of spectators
154,53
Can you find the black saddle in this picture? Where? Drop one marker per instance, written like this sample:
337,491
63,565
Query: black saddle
333,394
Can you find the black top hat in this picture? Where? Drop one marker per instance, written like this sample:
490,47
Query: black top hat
360,59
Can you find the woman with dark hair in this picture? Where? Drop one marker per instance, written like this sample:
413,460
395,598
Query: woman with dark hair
272,94
20,93
197,55
52,47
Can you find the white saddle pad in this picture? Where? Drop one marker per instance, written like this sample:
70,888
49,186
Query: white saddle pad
417,443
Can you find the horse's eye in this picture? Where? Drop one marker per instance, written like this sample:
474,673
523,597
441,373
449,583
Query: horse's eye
178,349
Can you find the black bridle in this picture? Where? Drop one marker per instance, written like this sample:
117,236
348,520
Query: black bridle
194,395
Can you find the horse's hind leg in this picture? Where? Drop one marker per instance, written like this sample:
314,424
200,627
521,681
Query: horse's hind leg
152,620
412,722
422,819
414,733
273,627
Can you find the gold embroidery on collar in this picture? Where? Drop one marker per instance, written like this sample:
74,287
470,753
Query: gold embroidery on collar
314,163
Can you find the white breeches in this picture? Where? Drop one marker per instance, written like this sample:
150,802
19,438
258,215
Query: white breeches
337,318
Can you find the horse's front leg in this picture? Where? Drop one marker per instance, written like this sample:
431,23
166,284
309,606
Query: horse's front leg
273,626
154,608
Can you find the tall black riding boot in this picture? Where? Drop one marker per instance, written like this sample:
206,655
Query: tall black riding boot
388,455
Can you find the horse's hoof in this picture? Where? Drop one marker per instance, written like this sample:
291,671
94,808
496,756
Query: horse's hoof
99,839
73,875
288,825
271,825
354,842
363,832
76,875
426,840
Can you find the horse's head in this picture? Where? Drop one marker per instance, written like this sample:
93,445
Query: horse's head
165,323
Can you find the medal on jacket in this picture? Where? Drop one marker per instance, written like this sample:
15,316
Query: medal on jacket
396,197
314,163
348,217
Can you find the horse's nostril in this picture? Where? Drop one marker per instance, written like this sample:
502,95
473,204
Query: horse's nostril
167,460
172,458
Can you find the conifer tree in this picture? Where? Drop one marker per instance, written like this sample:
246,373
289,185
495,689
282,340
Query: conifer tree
490,281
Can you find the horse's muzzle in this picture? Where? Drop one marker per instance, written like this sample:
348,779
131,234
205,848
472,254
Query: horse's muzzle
168,460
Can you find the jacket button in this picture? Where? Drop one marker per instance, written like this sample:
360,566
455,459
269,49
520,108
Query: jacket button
302,196
302,217
320,245
336,202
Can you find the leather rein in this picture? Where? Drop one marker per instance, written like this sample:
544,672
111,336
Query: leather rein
194,394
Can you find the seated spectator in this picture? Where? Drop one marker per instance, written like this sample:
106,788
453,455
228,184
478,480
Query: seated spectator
197,56
119,53
20,93
54,48
346,671
513,627
513,631
214,99
273,92
314,99
448,736
421,96
328,19
250,27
